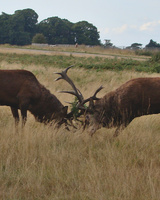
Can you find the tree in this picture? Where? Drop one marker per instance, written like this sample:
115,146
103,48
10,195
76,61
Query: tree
19,38
25,20
56,30
23,26
86,33
19,28
61,31
153,44
135,46
4,28
108,44
39,38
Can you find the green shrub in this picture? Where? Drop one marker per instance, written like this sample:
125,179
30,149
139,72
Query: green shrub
39,39
152,65
155,57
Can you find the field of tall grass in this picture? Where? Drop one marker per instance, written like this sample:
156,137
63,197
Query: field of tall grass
42,163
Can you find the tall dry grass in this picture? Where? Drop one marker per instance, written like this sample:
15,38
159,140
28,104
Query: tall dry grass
45,164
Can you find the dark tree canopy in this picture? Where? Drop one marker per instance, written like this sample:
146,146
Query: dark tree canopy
108,44
22,26
19,28
56,30
27,19
61,31
4,28
86,33
135,46
153,44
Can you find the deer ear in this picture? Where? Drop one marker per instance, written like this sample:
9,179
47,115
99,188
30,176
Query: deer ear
65,109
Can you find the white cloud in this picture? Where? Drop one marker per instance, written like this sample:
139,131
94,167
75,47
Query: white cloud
120,29
116,30
149,25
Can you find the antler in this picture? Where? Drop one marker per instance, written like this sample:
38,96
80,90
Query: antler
76,92
94,96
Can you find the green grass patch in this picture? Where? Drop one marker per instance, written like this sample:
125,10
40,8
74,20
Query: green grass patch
97,63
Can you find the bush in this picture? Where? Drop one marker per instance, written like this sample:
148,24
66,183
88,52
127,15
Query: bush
39,38
155,57
143,53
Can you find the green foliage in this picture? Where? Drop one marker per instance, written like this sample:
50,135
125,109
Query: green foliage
153,44
63,61
61,31
5,27
19,38
155,57
19,29
74,108
156,69
39,38
143,52
56,30
108,44
86,33
150,66
136,46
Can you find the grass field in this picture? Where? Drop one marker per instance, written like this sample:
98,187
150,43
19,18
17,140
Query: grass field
42,163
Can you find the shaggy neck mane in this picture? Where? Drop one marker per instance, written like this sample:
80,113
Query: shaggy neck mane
107,107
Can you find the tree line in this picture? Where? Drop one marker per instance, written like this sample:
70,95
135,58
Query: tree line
22,27
135,46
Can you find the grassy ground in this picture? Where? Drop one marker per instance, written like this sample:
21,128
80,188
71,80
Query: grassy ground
45,164
110,60
81,49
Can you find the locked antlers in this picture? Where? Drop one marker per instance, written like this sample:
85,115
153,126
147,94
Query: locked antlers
76,92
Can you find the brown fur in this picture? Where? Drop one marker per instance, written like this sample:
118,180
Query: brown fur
118,108
21,90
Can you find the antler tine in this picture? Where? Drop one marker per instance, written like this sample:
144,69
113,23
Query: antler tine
94,95
76,92
62,74
68,68
58,77
69,92
98,90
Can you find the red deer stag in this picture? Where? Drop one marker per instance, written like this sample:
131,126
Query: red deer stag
21,90
118,108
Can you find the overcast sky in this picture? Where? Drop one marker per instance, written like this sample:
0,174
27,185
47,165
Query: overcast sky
122,21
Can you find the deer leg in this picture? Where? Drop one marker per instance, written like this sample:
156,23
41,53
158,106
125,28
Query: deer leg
24,116
15,115
120,128
23,109
117,131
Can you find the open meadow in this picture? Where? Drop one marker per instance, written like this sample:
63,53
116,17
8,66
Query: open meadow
42,163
